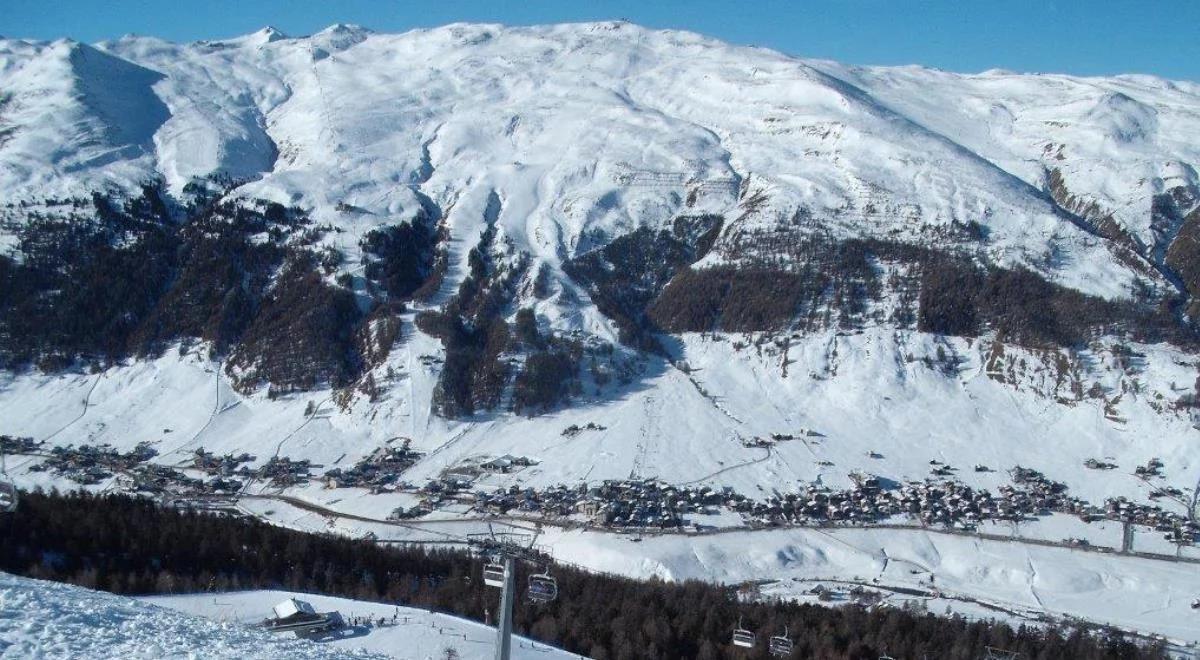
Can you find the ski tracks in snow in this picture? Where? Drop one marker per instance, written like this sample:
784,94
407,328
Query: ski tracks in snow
87,398
216,410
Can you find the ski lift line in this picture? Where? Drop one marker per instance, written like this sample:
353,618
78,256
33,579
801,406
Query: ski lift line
279,447
543,587
493,574
211,417
87,398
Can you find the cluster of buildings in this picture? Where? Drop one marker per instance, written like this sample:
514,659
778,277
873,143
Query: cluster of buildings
90,464
1152,468
642,503
223,466
380,471
935,502
575,429
18,445
630,503
1175,528
156,479
283,472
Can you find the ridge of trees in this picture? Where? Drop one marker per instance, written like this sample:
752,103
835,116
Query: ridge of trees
781,283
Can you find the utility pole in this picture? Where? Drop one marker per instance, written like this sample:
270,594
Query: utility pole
504,629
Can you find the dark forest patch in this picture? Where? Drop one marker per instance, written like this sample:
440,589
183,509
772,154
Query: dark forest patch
126,278
400,259
819,283
301,336
624,276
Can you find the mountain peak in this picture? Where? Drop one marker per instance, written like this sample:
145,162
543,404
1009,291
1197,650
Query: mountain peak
268,34
346,28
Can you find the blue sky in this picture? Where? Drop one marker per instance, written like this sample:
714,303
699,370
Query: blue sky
1087,37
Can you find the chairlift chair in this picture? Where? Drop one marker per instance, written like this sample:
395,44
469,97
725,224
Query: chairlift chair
493,574
8,489
742,637
8,497
781,645
543,588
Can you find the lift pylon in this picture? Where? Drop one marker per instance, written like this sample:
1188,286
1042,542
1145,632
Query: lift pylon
502,551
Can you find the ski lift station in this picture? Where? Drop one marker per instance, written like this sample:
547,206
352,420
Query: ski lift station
299,617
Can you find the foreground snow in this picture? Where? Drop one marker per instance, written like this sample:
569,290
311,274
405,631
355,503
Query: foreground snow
417,634
50,620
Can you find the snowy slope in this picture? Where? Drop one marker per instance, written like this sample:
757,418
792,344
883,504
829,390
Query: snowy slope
51,620
1116,141
417,634
593,128
861,392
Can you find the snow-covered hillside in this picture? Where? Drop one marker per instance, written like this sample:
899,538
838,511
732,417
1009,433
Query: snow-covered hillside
48,620
304,247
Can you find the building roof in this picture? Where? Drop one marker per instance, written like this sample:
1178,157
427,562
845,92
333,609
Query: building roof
291,607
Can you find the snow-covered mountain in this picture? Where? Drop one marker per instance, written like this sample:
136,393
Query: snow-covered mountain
601,128
658,245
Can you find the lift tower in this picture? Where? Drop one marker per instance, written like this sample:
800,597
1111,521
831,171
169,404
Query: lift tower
503,550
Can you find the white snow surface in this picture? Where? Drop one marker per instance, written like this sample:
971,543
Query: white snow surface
48,620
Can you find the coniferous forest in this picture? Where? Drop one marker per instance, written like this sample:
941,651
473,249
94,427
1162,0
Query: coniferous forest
130,546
